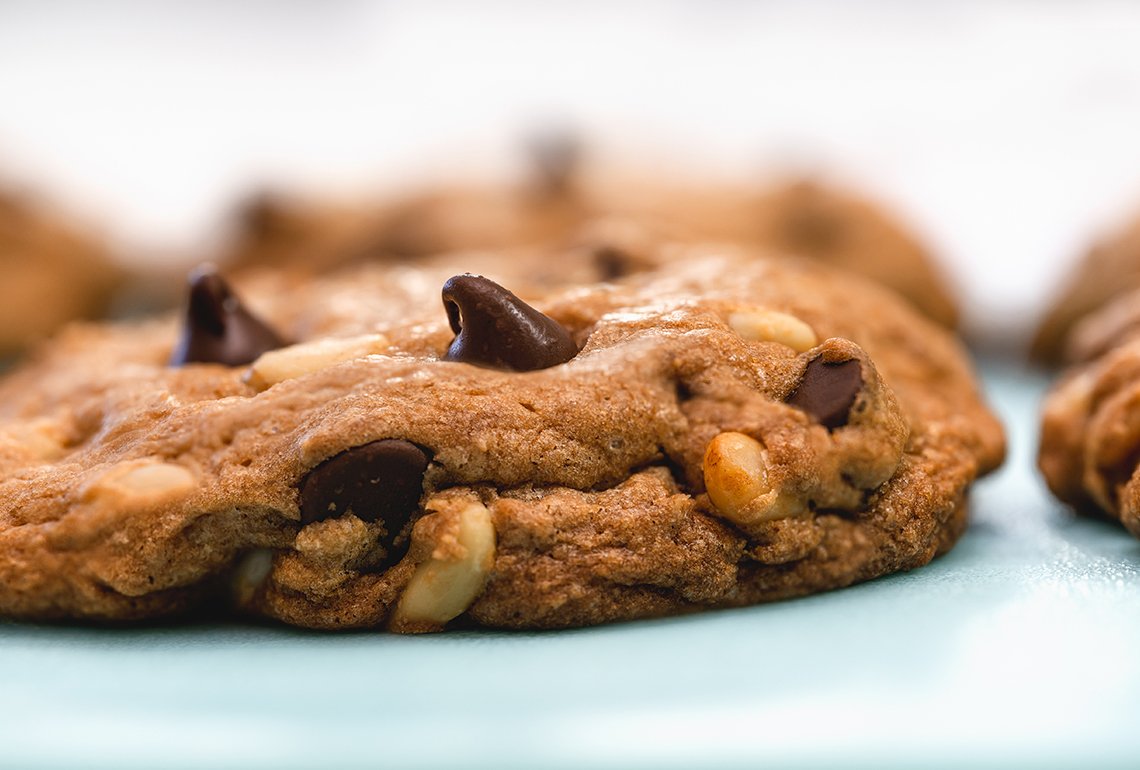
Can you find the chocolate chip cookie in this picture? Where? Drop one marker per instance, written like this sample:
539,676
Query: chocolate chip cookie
53,273
409,449
562,206
1109,270
1090,432
549,204
805,218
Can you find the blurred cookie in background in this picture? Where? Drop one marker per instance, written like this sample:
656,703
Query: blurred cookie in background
274,228
1110,269
1089,449
807,218
1094,334
846,230
563,202
54,272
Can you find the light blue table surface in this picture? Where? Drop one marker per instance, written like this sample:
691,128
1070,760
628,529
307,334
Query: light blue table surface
1020,648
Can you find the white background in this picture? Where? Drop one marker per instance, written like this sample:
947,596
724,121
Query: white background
1008,133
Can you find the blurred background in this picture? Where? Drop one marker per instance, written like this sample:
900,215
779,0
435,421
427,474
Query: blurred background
1005,133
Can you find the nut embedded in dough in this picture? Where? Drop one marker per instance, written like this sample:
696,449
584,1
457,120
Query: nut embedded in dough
443,587
735,472
141,485
250,575
760,325
40,440
736,478
283,364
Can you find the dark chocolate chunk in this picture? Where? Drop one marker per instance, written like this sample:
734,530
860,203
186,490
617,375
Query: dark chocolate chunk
494,328
828,390
217,328
379,481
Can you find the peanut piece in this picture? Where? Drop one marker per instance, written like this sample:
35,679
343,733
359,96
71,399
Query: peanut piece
138,485
761,325
443,587
40,440
283,364
251,573
736,478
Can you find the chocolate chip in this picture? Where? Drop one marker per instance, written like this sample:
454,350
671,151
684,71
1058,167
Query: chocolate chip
828,390
217,328
494,328
379,481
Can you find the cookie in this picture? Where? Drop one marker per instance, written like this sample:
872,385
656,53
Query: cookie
274,229
53,273
405,449
808,219
1094,334
1090,430
565,206
1108,270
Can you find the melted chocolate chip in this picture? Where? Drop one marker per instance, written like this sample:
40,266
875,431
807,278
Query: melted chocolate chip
828,390
217,328
496,329
379,481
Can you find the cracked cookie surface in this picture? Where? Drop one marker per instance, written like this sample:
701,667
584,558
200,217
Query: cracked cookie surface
736,430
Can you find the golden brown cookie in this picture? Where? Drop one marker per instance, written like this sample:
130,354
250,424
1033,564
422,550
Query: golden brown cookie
804,218
731,431
53,273
1090,432
273,229
1110,269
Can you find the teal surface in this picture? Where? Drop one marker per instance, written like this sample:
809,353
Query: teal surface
1020,648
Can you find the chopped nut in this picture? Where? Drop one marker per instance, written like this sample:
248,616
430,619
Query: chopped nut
251,573
282,364
138,485
736,478
734,471
761,325
40,440
444,586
